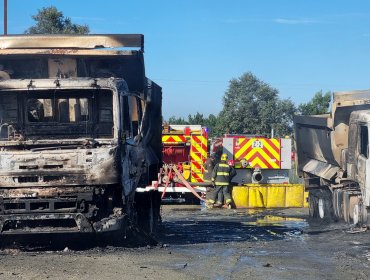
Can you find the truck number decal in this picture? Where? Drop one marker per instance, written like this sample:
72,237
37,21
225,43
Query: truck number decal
257,144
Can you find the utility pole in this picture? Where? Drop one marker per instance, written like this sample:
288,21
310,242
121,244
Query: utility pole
5,17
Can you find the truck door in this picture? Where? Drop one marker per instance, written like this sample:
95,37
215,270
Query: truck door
363,161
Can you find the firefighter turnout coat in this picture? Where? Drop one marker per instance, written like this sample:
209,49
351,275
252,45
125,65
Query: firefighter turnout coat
222,174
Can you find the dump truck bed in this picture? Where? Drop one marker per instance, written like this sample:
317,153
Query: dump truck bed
322,140
313,138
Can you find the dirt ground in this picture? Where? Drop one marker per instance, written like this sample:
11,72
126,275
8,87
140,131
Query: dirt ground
211,244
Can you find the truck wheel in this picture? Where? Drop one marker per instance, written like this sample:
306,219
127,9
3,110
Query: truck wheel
338,203
313,206
325,209
358,212
321,208
364,215
353,210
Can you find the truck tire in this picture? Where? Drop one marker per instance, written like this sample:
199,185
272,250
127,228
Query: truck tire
321,206
338,204
313,208
364,218
346,207
325,208
354,211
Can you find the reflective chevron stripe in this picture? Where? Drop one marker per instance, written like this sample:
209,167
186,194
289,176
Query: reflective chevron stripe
173,139
198,156
259,152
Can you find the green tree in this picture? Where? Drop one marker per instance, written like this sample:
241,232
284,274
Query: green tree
212,123
283,125
175,120
51,21
198,118
319,104
253,107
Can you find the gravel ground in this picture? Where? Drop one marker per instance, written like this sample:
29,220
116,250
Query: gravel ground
210,244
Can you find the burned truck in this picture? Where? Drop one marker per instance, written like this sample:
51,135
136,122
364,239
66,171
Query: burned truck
80,135
334,160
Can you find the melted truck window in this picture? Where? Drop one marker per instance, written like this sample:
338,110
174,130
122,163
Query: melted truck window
131,115
364,144
63,110
8,109
51,114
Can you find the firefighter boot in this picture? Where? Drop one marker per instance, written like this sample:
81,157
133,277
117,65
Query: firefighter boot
209,204
218,204
229,203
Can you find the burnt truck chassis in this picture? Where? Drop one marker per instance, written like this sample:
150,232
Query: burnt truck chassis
64,181
69,210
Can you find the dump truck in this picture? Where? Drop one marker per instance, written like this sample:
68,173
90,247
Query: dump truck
186,147
80,135
333,158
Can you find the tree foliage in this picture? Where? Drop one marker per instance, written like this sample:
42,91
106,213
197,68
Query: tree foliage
176,120
51,21
198,119
319,104
253,107
250,106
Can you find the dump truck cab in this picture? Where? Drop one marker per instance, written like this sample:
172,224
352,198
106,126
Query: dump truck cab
358,157
80,133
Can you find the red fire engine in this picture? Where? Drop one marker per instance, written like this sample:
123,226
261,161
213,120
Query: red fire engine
185,147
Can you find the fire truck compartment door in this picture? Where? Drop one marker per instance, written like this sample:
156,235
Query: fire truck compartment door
228,147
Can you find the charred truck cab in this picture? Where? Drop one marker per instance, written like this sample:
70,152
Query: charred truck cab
80,133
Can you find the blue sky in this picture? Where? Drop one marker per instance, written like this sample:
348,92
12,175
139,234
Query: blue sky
194,48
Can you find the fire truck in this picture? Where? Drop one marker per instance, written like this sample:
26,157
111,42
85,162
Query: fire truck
185,148
257,159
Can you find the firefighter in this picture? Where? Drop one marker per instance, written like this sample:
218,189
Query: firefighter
208,168
221,177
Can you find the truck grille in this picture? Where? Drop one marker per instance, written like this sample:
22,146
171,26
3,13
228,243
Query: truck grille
39,205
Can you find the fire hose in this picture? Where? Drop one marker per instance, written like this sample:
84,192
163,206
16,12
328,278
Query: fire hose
183,181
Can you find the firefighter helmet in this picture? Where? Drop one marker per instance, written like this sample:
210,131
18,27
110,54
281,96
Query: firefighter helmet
224,157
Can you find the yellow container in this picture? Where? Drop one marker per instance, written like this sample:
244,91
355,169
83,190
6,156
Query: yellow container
257,197
242,196
269,196
186,171
295,196
276,196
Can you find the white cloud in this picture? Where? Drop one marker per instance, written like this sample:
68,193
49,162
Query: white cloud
294,21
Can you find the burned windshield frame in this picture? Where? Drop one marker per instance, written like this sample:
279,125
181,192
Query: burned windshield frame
58,110
41,108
